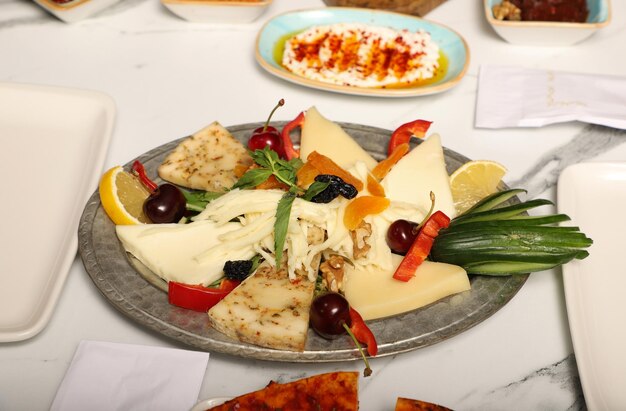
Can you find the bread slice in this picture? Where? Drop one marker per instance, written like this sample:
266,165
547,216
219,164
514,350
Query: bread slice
206,160
332,391
406,404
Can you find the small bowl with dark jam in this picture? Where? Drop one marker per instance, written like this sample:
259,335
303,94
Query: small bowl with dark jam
547,22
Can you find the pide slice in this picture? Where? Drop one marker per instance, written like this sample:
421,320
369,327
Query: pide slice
331,391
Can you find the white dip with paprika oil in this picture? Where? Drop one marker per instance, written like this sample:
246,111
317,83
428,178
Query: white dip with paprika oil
361,55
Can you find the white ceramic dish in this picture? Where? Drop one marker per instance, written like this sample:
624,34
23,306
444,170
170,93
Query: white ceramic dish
544,33
594,196
216,11
75,10
208,403
54,142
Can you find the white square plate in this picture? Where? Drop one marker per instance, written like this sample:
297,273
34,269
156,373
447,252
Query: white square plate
53,143
594,196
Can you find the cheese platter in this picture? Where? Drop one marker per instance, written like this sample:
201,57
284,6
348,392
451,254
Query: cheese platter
137,293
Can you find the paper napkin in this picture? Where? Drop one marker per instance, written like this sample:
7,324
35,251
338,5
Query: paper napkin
518,97
111,376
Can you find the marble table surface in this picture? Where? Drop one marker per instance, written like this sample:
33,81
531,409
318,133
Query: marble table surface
169,78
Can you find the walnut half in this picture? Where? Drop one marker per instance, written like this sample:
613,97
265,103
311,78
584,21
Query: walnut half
359,240
333,272
507,11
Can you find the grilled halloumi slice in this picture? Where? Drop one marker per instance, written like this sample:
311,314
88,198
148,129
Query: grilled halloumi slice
267,308
206,160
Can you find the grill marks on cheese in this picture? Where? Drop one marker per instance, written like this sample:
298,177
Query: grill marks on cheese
268,309
206,160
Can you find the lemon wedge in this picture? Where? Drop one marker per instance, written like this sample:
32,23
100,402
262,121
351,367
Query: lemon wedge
122,196
473,181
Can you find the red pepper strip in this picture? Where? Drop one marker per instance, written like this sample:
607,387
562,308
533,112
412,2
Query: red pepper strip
404,133
421,246
198,297
362,332
140,171
291,152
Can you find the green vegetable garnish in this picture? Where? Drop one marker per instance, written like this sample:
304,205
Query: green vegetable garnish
197,200
281,225
270,164
496,239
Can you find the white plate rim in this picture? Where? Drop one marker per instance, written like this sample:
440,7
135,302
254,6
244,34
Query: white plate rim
92,167
568,184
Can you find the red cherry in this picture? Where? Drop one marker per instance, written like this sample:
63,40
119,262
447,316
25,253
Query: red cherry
268,136
260,139
400,235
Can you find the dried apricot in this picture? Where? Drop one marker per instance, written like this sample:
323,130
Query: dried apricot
374,187
306,175
384,166
272,183
361,207
327,166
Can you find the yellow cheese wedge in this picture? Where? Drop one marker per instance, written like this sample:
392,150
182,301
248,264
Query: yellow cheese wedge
171,250
418,173
328,138
375,294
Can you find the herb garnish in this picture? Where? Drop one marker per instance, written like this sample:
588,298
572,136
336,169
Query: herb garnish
270,164
197,200
281,225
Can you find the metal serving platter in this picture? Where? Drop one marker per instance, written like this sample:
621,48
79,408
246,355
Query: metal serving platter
138,294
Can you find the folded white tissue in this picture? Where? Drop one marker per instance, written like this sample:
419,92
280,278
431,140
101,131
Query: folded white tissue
518,97
110,376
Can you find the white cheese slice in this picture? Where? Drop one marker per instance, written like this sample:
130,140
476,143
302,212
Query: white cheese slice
418,173
376,294
171,250
267,309
328,138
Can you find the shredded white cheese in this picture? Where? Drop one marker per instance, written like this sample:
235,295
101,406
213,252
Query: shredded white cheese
256,212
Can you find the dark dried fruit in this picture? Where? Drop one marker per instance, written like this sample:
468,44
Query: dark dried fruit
335,187
329,194
237,270
348,191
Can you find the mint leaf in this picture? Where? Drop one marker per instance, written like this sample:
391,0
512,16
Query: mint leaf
314,189
265,157
281,225
253,178
197,200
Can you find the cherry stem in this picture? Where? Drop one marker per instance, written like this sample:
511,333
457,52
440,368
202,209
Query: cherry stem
367,371
430,212
281,103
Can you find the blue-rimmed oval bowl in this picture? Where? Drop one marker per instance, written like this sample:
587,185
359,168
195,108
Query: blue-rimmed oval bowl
280,27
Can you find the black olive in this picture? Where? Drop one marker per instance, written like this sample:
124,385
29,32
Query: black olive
238,269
